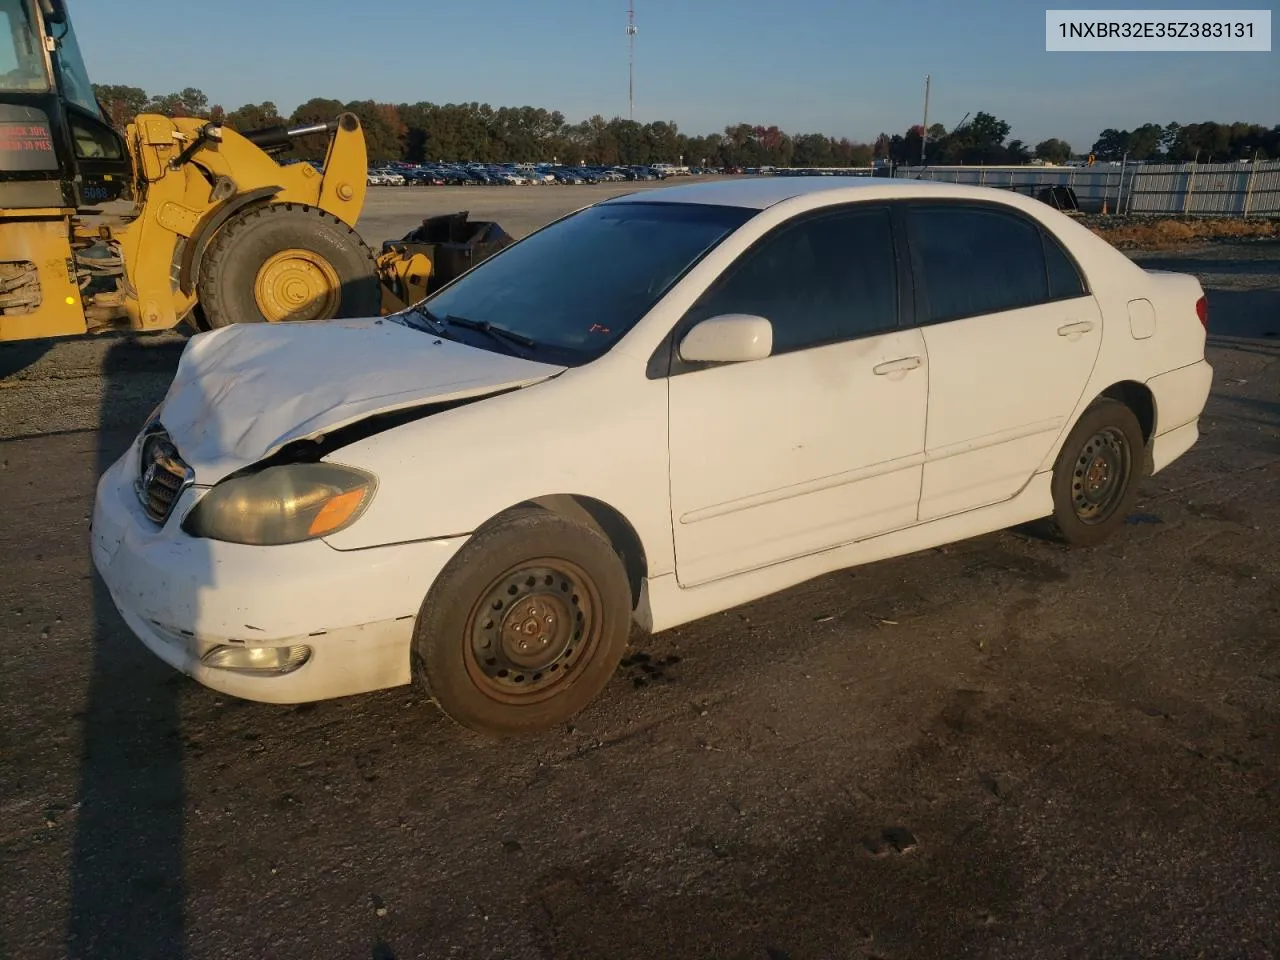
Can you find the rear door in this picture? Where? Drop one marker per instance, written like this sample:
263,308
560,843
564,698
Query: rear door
1012,335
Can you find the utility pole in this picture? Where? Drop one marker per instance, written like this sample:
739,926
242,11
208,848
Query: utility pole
631,60
924,131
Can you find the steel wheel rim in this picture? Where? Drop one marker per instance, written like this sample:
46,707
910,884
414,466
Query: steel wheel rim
297,284
1101,472
514,654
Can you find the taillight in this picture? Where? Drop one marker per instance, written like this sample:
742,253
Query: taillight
1202,311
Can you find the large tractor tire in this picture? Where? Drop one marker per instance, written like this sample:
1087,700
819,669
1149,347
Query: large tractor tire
286,262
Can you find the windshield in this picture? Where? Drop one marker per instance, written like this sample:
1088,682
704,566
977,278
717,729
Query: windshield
21,55
74,78
577,286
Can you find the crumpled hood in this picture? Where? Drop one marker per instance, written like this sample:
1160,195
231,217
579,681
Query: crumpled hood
242,392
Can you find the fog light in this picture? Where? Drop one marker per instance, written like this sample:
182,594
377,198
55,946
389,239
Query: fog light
257,659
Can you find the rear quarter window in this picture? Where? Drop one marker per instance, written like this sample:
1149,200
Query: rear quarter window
1064,278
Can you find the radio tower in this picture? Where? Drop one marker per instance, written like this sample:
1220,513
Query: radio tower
631,60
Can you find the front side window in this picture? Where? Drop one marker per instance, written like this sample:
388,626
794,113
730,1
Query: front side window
575,287
972,260
21,56
820,280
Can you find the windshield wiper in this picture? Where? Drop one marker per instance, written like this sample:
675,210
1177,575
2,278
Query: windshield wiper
435,323
498,333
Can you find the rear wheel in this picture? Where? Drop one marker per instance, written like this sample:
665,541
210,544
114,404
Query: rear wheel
286,262
524,627
1096,477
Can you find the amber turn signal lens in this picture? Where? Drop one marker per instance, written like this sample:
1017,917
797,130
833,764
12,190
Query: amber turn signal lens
336,512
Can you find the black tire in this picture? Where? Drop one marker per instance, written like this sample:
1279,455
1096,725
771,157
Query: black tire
228,288
538,568
1098,473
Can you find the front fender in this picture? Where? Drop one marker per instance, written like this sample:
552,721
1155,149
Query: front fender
214,218
598,434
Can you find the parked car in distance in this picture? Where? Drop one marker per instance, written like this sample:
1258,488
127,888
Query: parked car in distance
383,176
756,382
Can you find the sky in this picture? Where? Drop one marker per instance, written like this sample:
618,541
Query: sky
831,66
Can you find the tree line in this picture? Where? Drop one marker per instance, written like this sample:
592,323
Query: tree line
461,132
1183,143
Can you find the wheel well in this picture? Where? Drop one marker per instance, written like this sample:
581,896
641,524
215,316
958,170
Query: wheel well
612,525
1137,397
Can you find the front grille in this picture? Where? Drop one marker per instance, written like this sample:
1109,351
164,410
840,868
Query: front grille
162,475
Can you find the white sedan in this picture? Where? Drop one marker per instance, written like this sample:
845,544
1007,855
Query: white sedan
660,407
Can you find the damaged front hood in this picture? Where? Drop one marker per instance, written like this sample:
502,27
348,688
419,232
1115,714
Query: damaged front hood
242,392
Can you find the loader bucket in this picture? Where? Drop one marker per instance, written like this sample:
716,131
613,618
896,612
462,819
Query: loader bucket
453,243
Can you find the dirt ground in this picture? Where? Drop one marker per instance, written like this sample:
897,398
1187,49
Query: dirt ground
1001,748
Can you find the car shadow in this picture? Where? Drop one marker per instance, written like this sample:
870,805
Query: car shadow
19,355
129,861
127,895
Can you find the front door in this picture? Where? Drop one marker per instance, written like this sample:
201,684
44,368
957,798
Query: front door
820,443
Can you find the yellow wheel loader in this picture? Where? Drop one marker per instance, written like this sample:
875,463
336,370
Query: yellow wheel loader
218,231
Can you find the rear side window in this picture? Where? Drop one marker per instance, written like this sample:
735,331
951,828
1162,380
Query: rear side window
971,260
1064,278
821,280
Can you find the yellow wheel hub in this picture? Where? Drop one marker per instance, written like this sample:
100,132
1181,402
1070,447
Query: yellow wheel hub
297,284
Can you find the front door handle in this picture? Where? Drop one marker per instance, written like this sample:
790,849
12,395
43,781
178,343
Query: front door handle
901,365
1075,329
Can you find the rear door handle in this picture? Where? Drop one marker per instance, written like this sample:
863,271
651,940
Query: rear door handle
1075,329
901,365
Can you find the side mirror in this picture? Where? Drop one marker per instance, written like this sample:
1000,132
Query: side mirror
54,11
728,338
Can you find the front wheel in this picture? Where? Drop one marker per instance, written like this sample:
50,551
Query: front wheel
1096,477
525,626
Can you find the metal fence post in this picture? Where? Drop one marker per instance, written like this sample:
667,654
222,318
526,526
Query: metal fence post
1191,179
1248,193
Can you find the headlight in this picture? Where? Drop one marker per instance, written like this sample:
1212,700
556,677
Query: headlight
285,504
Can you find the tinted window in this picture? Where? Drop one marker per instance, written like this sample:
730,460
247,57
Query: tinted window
1064,279
578,285
969,260
823,279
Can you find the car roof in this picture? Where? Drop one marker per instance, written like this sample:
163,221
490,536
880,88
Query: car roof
760,192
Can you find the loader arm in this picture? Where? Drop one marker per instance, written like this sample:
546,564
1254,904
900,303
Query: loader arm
191,176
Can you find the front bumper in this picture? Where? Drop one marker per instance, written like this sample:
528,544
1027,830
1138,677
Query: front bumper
183,596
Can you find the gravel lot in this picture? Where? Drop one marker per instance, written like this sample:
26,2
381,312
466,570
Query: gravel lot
1001,748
